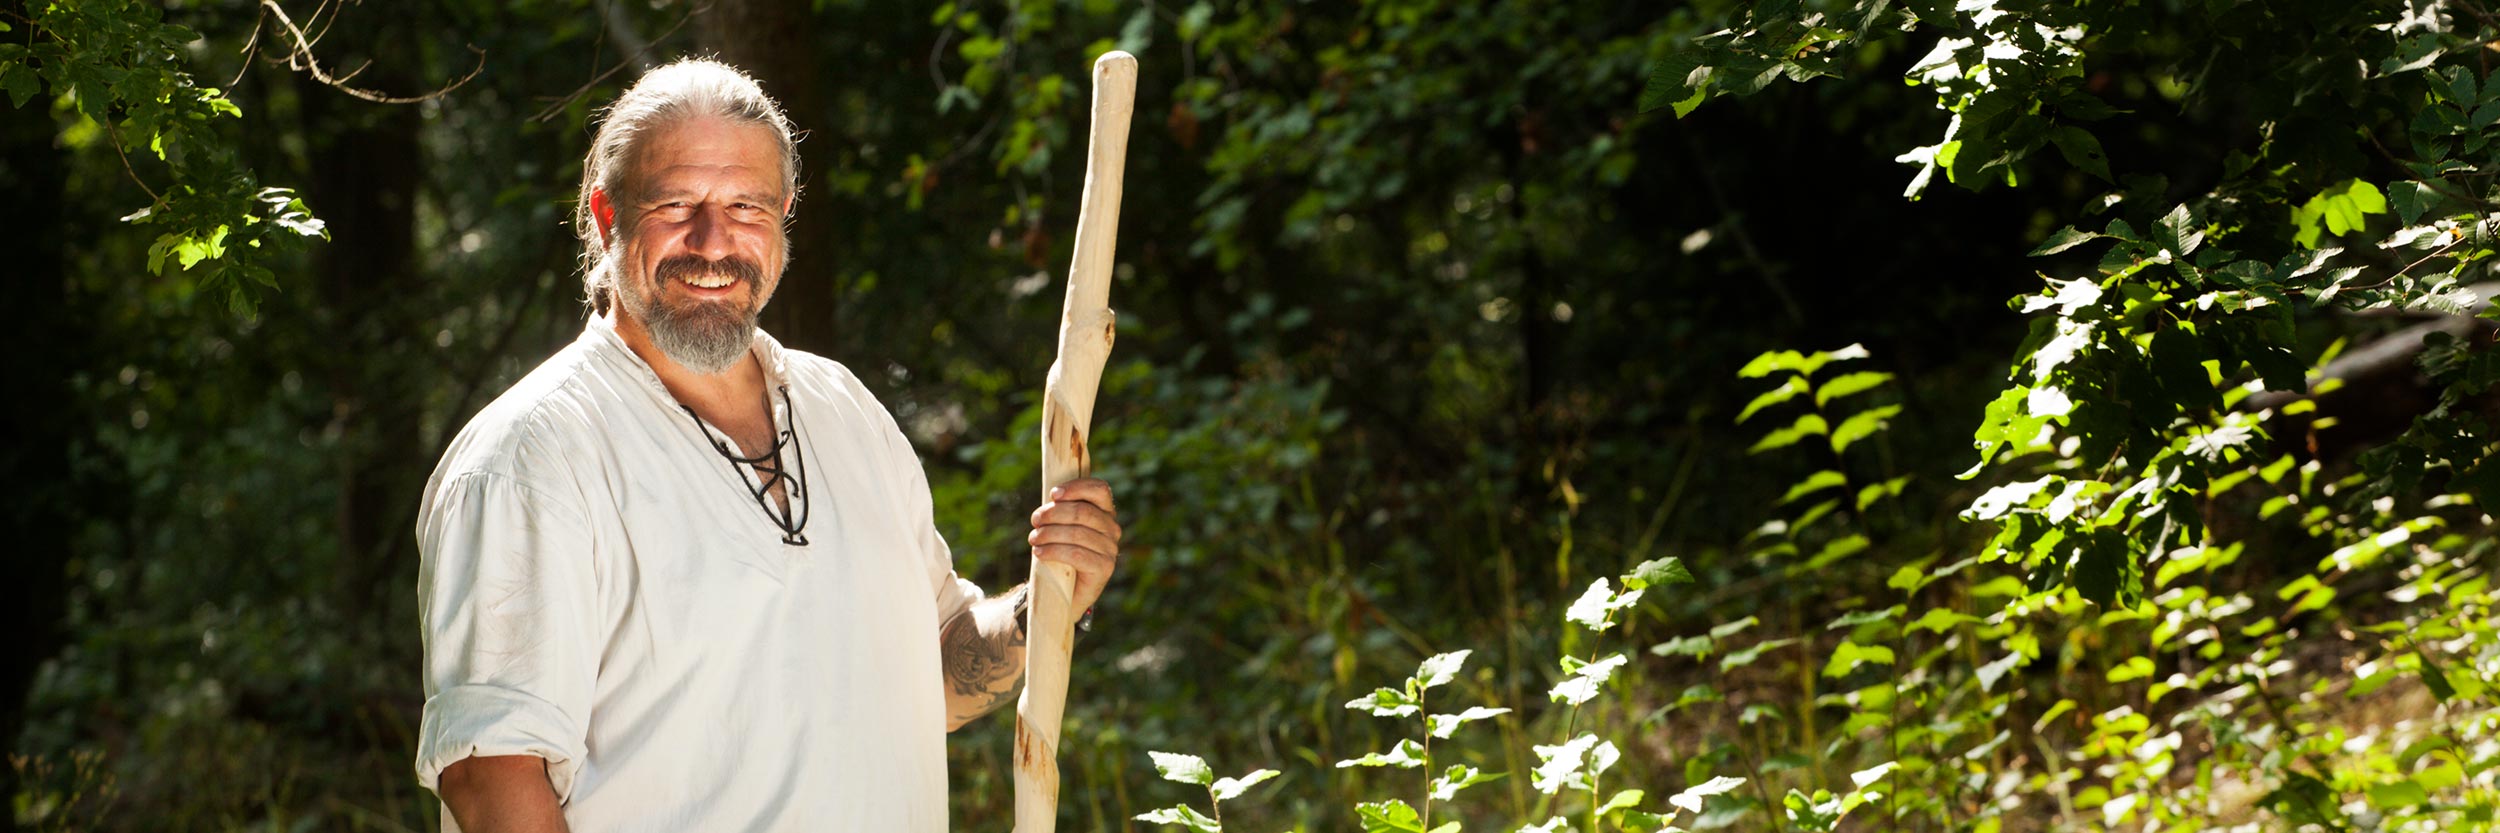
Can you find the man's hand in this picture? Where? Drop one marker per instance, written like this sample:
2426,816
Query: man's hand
982,649
501,794
1078,527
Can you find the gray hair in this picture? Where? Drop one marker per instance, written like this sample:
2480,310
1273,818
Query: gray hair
689,89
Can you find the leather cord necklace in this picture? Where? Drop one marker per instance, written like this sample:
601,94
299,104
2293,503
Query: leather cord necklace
790,517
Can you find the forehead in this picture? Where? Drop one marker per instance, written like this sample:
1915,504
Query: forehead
709,153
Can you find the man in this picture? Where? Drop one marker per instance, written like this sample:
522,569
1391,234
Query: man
681,578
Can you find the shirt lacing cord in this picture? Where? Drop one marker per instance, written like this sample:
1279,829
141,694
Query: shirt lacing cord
770,472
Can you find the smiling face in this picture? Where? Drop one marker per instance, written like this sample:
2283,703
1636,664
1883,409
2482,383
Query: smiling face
696,238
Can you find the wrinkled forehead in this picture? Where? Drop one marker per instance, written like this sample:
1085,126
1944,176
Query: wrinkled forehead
743,159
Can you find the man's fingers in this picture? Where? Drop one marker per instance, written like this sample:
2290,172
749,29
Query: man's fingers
1086,561
1078,526
1077,536
1087,490
1077,513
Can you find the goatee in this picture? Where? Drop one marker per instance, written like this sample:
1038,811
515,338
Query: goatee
707,337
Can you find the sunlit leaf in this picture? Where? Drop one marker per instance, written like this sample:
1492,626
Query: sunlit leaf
1181,816
1187,769
1226,789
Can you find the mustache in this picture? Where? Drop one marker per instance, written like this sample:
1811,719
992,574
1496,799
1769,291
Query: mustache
733,266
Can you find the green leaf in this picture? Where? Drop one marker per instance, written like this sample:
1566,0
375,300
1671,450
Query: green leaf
2366,197
1697,645
1391,816
1849,383
2082,151
1999,500
1690,800
2305,222
1657,572
1848,655
1441,725
1863,617
1870,775
1940,620
1446,787
1642,821
1825,479
21,83
1770,362
1227,789
2065,238
1748,656
1385,702
1408,755
2104,571
1595,608
2416,52
1440,668
1786,391
1724,630
2179,233
1809,425
1186,769
2440,776
2343,208
2304,800
1679,81
2178,363
2399,795
1585,683
2435,679
2412,199
1861,425
1181,816
1990,673
2215,444
1624,799
1801,363
1838,549
1878,491
1563,766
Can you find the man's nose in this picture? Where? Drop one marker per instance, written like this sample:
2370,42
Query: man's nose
707,233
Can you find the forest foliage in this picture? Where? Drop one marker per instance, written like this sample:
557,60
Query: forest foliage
1528,416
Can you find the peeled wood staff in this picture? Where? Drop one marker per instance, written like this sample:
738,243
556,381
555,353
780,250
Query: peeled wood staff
1085,332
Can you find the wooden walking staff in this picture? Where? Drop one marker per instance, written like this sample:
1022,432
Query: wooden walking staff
1085,332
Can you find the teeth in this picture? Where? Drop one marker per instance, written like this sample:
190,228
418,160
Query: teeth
711,280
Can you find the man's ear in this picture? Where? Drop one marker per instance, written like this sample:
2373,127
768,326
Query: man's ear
603,212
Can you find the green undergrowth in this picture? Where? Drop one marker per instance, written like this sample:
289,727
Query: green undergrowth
2327,667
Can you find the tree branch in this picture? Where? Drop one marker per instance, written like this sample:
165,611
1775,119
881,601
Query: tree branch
300,58
636,59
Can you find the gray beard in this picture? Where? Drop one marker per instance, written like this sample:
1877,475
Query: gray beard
708,339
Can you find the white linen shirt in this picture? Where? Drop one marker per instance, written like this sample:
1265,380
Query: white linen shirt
600,588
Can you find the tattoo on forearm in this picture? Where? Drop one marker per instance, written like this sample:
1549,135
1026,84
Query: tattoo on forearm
984,665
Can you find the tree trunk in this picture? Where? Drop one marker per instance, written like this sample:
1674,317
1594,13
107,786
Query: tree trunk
365,166
44,422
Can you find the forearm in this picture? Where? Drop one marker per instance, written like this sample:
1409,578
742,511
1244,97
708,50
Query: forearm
502,794
982,654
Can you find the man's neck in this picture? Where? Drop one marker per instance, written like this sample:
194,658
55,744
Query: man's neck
724,397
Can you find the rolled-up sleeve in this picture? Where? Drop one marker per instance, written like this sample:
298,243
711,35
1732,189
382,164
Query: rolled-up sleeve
955,593
507,593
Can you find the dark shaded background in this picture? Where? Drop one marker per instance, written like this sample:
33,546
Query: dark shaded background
1423,326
